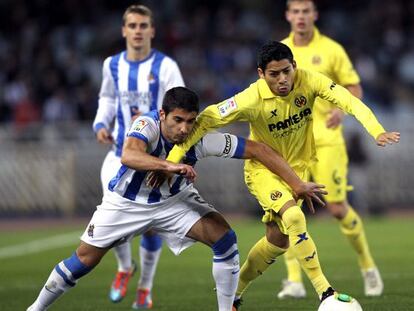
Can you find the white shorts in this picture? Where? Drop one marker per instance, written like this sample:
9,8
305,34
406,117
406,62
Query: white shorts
118,220
110,167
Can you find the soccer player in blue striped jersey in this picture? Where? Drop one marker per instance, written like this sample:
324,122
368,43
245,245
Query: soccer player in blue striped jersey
134,82
177,212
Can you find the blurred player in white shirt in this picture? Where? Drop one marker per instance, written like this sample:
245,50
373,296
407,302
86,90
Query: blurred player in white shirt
134,82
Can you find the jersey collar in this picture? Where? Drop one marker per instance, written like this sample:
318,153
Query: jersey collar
315,38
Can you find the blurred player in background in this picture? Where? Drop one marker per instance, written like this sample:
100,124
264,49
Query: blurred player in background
279,108
314,51
176,211
134,82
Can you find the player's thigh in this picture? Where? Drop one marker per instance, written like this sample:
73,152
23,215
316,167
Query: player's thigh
174,220
112,223
331,170
272,194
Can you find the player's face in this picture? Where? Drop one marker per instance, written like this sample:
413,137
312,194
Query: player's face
177,125
302,16
138,31
279,76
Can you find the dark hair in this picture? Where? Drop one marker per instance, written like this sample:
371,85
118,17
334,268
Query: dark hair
273,50
139,9
180,97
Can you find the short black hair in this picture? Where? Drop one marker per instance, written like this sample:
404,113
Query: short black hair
273,50
180,97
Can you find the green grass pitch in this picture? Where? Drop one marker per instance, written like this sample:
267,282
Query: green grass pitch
185,282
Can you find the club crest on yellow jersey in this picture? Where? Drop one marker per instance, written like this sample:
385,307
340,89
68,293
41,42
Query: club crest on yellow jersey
275,195
316,60
300,101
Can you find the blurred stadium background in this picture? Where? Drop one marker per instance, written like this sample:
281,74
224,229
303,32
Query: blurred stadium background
50,59
51,55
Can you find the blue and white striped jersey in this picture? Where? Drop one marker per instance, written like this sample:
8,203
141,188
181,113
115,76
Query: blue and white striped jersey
130,184
133,84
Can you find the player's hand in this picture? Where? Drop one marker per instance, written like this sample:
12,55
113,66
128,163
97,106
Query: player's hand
335,118
135,113
104,137
308,191
182,169
388,138
155,179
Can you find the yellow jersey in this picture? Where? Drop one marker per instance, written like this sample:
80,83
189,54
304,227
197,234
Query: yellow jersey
284,123
328,57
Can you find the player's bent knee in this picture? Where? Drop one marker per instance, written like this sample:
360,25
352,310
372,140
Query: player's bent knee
90,255
337,209
294,216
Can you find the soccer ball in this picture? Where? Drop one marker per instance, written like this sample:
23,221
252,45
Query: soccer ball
340,302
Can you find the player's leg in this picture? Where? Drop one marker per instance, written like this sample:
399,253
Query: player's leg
126,269
303,247
149,251
331,170
276,199
126,266
352,227
66,274
261,256
213,230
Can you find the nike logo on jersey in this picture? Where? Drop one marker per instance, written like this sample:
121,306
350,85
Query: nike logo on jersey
235,272
269,262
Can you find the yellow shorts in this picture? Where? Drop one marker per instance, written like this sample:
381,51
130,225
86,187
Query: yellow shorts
271,192
331,170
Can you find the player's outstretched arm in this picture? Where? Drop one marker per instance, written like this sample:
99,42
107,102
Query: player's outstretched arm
134,156
278,165
388,138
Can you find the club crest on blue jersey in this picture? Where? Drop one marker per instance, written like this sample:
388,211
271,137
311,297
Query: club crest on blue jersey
300,101
151,78
90,230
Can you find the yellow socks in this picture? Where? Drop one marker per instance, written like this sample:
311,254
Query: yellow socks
353,229
260,257
294,272
303,248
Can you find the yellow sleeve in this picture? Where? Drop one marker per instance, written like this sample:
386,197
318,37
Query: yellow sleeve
341,97
236,108
343,68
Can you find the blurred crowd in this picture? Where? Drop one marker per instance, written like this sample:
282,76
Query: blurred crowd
51,52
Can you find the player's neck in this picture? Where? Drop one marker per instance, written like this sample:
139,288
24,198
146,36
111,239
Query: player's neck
138,54
302,38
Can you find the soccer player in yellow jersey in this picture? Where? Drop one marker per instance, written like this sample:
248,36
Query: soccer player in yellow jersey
279,107
314,51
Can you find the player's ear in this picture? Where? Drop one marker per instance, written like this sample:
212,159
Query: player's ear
260,73
123,32
294,64
162,115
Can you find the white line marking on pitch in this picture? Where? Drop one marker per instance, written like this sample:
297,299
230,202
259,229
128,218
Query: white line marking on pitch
40,245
